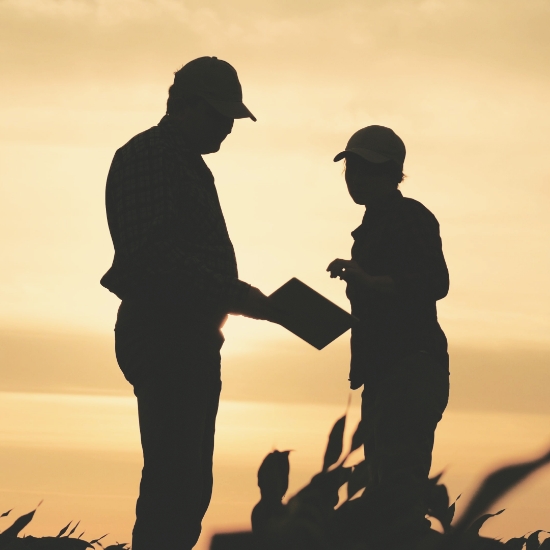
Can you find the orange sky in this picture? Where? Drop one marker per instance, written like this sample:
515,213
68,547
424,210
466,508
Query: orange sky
465,83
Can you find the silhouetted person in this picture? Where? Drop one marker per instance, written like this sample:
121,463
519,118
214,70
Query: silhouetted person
175,271
398,350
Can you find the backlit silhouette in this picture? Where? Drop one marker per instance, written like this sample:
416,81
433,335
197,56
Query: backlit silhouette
175,271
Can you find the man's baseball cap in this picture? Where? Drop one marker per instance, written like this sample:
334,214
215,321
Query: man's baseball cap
214,80
376,144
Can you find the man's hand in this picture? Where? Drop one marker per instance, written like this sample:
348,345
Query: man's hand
351,272
258,306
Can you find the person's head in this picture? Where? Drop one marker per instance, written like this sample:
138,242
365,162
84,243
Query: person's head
374,158
205,99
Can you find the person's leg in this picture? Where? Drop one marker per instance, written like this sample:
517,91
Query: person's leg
412,395
176,431
368,429
176,377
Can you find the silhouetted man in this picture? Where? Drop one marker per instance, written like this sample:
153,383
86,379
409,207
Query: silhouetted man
399,352
175,271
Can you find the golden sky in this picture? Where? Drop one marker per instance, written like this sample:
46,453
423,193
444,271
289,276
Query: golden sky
465,83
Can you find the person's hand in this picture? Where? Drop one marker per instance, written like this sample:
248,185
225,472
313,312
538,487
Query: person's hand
258,306
348,270
351,272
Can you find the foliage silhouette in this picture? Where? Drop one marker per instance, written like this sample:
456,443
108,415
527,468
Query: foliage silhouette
322,517
9,539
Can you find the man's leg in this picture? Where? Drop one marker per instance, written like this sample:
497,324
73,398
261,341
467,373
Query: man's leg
410,399
176,377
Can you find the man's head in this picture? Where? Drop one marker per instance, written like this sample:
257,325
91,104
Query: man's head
374,163
205,99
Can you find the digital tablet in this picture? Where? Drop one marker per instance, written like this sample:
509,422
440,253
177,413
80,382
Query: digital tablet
310,315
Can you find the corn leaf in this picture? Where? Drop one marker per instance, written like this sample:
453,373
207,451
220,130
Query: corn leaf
95,541
515,543
448,517
5,513
358,479
495,486
73,529
478,523
55,543
533,541
435,479
335,444
357,439
64,530
273,476
437,499
18,525
545,544
121,546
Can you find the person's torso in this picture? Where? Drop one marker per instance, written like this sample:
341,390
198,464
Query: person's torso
390,325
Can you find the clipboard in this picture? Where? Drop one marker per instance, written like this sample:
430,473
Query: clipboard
310,315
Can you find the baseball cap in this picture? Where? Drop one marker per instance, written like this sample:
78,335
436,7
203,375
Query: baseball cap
376,144
214,80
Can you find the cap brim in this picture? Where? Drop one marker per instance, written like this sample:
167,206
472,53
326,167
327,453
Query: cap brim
367,154
231,109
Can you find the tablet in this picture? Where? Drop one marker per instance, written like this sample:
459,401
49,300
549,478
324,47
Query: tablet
310,315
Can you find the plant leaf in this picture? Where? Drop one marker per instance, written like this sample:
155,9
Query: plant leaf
73,529
63,531
5,513
358,479
95,541
437,498
533,541
335,444
18,525
273,476
55,543
435,479
478,523
515,543
545,544
448,518
495,486
357,439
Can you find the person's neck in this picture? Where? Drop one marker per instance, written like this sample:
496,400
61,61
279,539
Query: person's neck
381,199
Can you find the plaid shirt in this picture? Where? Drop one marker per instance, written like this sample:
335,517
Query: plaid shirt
169,234
397,238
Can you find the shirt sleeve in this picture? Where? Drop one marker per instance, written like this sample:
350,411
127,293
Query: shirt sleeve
143,222
421,270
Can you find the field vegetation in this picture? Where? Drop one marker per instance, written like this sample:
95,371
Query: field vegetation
326,514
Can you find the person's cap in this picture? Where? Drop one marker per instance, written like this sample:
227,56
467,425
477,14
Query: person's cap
214,80
376,144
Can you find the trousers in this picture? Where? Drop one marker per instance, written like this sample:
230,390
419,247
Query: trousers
173,364
402,403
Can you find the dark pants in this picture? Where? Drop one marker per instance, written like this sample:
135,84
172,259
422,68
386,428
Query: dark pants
174,366
402,403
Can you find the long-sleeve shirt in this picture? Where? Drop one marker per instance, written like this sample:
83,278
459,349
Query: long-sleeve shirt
169,234
399,238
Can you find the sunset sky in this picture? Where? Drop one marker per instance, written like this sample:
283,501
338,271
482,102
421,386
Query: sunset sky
465,84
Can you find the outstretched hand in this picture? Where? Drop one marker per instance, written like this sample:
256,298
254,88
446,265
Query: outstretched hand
258,306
